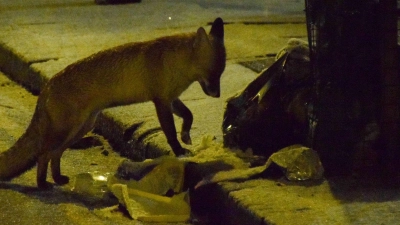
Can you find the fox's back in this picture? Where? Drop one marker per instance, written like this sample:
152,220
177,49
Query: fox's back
130,73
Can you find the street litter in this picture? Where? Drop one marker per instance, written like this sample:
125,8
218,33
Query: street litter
145,206
272,111
91,184
298,162
153,190
157,176
142,189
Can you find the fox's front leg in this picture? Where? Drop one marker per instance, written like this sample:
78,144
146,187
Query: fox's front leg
164,114
180,109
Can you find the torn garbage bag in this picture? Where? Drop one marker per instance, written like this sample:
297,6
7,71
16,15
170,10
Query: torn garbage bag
272,111
297,162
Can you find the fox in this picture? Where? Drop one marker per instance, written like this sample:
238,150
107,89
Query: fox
158,70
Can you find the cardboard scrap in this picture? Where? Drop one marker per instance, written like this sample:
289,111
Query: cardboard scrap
145,206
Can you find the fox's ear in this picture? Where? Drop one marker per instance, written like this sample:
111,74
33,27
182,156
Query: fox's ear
217,29
201,38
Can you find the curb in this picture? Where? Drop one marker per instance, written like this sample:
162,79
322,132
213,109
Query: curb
19,70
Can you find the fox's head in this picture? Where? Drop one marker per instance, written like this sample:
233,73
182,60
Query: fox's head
211,57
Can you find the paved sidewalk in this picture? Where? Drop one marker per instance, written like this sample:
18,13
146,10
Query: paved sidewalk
39,38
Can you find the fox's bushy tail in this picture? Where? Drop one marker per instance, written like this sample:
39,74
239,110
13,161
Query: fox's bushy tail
22,156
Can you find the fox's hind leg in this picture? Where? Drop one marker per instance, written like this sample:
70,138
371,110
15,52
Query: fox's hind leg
55,168
56,156
57,135
42,165
181,110
50,144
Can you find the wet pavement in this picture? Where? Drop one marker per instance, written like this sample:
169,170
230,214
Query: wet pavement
39,38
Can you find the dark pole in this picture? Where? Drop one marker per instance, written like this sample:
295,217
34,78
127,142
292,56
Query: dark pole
347,67
390,99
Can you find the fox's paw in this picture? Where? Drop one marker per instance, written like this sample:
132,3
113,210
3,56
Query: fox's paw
61,179
185,137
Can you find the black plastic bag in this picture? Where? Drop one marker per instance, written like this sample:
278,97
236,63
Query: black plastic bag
272,111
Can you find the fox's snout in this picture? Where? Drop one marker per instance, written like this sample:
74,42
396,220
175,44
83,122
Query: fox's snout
211,89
